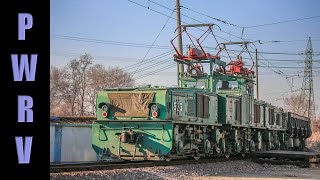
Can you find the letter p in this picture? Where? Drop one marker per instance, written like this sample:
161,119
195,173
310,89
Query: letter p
25,21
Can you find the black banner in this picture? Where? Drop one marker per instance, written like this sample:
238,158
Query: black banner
25,63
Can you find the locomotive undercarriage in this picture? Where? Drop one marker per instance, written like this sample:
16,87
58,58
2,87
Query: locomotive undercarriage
191,141
273,140
195,141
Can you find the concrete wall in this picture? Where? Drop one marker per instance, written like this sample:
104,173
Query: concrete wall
71,143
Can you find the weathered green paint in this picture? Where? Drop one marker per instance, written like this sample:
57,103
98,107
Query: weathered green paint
187,100
218,78
156,141
198,116
227,99
160,98
176,105
222,109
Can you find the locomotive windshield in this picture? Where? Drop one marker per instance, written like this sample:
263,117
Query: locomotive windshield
199,84
228,85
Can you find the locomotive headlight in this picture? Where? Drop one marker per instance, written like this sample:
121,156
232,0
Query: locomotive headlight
154,108
105,108
193,72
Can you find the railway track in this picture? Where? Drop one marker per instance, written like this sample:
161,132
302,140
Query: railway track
310,159
303,159
56,168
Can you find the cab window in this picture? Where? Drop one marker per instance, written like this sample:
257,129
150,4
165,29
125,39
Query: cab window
228,85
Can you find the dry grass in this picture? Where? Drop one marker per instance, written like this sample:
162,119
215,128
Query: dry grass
314,140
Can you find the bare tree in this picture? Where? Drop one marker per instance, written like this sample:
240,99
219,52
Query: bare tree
71,92
55,81
296,103
99,77
57,85
97,81
73,89
85,61
116,77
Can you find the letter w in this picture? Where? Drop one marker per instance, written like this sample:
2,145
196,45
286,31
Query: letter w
30,71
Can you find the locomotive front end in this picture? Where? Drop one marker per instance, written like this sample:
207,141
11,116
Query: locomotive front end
131,125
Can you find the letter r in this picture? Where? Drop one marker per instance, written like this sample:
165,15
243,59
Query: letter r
25,103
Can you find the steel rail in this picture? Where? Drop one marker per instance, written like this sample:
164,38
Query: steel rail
93,166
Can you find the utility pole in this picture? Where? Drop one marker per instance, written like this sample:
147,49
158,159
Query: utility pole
257,75
307,86
180,66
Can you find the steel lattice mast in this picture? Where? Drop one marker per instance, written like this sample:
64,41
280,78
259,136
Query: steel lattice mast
307,86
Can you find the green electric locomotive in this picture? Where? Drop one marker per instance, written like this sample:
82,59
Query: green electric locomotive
212,113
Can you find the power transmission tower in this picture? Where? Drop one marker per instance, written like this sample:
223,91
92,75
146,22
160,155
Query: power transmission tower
307,86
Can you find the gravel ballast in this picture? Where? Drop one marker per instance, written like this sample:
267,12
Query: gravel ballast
239,169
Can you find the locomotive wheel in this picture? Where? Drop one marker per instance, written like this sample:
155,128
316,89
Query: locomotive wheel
226,155
167,157
196,156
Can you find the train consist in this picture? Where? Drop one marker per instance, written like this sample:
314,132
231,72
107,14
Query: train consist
219,118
